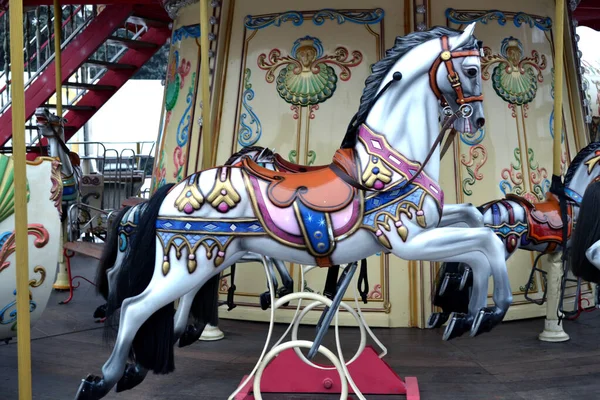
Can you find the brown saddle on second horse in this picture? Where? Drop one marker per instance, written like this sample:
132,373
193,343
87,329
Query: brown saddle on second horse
319,188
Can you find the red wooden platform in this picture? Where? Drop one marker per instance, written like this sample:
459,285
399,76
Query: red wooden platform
288,374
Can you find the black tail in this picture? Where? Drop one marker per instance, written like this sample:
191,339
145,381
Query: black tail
205,305
587,232
109,254
153,343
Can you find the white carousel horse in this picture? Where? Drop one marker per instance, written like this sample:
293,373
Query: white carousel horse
379,194
533,227
44,188
51,126
124,227
585,246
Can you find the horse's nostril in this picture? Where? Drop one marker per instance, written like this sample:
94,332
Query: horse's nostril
480,122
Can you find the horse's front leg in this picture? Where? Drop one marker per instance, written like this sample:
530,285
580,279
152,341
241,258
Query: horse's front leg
461,215
481,249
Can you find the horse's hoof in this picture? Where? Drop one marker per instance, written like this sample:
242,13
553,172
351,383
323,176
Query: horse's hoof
486,320
458,325
191,335
100,311
436,320
91,388
132,377
265,300
466,279
452,283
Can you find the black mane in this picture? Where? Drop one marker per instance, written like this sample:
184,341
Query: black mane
579,158
381,68
246,150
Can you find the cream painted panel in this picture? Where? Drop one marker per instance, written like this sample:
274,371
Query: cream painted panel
513,153
287,126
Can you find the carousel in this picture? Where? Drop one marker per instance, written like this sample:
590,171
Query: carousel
377,161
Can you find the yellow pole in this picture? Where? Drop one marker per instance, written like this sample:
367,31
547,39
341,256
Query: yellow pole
18,138
57,56
204,73
553,330
559,41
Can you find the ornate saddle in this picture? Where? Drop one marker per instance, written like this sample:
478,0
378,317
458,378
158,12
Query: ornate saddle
545,223
319,188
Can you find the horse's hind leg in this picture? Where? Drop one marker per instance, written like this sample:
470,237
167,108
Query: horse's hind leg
135,311
187,334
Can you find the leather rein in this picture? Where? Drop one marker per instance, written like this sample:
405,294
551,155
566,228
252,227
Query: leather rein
465,110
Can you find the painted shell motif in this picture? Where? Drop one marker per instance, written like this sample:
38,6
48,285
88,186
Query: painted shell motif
515,77
306,77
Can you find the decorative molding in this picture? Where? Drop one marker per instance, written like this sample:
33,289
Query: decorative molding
319,17
185,32
519,19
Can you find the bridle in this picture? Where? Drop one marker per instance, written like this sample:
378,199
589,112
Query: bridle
446,57
465,110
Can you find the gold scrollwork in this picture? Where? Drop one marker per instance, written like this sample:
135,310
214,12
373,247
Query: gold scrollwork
38,270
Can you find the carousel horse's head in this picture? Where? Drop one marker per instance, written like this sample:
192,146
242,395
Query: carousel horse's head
458,80
48,124
438,66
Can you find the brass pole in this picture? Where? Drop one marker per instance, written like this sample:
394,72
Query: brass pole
205,81
18,137
57,56
559,41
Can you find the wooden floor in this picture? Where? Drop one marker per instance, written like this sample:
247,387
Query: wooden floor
508,363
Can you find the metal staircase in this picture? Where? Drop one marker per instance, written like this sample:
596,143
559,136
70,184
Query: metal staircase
102,48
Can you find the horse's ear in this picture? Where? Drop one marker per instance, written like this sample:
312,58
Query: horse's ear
464,38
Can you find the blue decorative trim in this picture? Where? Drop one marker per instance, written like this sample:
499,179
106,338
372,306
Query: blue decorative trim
184,123
4,237
574,195
357,17
472,139
378,207
520,18
216,227
505,229
190,31
364,17
386,198
254,23
12,316
496,214
317,228
247,136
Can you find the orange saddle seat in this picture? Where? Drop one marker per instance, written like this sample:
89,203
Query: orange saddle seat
319,188
544,220
287,166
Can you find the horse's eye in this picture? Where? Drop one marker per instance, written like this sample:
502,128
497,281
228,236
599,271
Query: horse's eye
472,72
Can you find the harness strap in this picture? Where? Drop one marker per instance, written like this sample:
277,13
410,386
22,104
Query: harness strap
331,282
363,281
448,142
446,57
